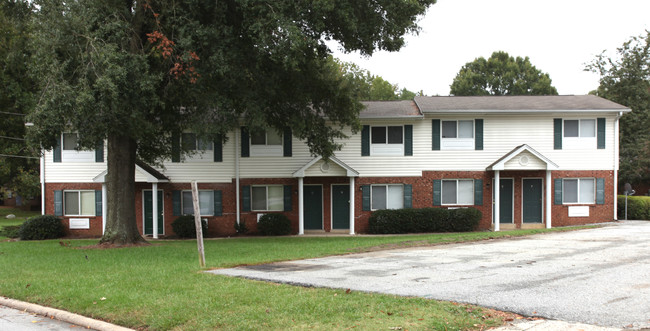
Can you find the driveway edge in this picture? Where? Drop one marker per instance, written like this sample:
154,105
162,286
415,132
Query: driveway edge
61,315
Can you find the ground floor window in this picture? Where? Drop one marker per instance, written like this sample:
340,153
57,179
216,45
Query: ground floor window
267,198
579,190
206,203
457,192
79,203
388,196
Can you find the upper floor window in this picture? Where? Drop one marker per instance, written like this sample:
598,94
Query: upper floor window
579,133
387,196
387,140
70,141
79,203
69,151
457,192
579,190
192,143
267,198
457,134
266,143
206,203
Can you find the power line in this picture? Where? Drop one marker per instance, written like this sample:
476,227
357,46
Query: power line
12,138
8,113
19,156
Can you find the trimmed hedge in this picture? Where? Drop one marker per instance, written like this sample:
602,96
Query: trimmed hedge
638,207
394,221
41,228
184,226
10,231
274,225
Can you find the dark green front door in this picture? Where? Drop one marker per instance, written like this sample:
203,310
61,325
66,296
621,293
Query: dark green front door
313,207
148,213
505,196
340,206
532,204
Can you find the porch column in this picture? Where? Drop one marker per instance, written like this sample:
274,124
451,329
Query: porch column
352,192
154,202
548,199
497,200
104,208
301,206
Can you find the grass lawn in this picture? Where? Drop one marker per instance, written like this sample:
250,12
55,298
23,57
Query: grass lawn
21,216
161,287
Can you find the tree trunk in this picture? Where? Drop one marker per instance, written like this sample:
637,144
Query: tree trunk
121,226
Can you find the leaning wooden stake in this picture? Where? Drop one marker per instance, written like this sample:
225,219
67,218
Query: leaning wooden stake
197,223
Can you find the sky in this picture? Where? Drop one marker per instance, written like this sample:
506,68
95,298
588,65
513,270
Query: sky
559,36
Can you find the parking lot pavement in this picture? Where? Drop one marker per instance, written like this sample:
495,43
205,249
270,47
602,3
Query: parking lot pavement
597,276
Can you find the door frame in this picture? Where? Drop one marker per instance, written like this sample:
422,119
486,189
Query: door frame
512,210
322,207
163,211
332,205
541,193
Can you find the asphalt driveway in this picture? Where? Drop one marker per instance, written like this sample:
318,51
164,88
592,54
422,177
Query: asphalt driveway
598,276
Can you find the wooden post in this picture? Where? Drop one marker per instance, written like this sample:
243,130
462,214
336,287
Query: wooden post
197,223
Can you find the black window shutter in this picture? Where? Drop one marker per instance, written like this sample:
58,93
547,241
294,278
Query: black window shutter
435,135
600,130
557,133
478,134
437,192
408,196
245,142
176,203
365,141
365,197
218,204
286,136
558,191
218,149
99,152
176,147
408,140
57,151
478,192
287,198
98,203
58,203
600,191
246,198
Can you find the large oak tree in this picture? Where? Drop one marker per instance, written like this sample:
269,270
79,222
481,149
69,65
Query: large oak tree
133,73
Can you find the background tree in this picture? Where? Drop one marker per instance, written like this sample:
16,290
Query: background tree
18,163
501,74
372,87
625,79
138,72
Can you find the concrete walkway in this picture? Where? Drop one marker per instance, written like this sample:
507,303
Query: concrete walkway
598,277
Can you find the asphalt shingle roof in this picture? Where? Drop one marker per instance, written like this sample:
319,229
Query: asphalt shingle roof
517,103
390,109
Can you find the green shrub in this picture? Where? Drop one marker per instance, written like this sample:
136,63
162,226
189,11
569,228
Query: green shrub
638,207
274,225
395,221
10,231
184,226
41,228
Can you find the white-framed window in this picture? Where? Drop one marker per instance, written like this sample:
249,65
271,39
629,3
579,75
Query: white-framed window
206,203
79,203
579,133
69,152
579,191
70,141
267,197
386,196
457,134
266,143
457,191
190,142
387,140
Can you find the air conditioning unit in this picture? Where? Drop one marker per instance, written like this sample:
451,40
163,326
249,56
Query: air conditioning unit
259,216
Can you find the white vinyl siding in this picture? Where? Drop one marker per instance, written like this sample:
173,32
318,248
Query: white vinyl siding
387,140
457,135
457,192
267,198
388,196
265,143
206,203
579,134
79,203
579,191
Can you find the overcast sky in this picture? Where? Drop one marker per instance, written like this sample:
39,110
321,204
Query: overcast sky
559,37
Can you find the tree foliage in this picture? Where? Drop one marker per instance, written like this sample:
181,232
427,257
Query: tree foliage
501,74
625,79
17,171
372,87
136,72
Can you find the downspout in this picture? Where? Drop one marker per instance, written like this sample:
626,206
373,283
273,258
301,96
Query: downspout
616,160
238,213
42,178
